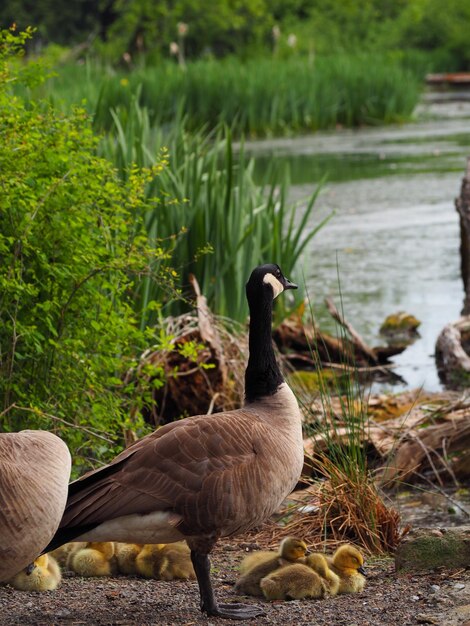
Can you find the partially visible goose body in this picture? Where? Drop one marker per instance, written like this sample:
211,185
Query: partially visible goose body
34,474
96,559
126,555
290,551
293,582
207,476
347,562
165,562
43,575
318,563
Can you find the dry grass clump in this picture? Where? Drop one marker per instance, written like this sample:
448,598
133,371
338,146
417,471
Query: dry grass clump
348,507
339,507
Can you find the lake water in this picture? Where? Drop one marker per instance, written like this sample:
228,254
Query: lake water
394,238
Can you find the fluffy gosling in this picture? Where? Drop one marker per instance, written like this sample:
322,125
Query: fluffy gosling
45,576
259,565
97,559
347,562
317,562
293,582
64,554
126,554
165,562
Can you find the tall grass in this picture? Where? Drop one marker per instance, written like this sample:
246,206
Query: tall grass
230,224
259,97
350,504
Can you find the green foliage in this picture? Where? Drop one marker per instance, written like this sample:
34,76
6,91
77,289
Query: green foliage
73,247
146,26
142,29
230,224
267,96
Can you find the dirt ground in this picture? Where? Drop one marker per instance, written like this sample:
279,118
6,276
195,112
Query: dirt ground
441,597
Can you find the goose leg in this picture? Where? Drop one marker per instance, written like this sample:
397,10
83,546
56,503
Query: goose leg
209,604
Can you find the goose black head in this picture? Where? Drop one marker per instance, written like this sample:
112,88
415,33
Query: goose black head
267,279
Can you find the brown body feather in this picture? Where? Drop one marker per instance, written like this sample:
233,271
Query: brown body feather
213,475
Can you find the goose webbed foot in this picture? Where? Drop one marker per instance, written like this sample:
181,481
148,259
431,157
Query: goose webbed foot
209,604
236,611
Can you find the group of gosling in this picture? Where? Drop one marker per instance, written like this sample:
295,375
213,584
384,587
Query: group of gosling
293,573
160,561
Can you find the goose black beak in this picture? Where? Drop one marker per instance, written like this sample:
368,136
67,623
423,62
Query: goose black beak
362,571
288,285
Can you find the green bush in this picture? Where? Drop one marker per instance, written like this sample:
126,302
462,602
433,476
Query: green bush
73,248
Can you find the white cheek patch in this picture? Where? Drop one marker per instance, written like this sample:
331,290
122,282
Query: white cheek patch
275,284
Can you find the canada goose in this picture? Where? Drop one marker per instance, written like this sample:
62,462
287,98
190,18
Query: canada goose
293,582
290,550
347,562
44,575
317,562
64,554
207,476
34,473
96,559
126,554
165,562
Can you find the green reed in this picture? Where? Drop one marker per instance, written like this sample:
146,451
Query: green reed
228,223
256,98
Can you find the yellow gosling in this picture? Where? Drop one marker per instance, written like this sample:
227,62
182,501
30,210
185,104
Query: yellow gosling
64,554
97,559
317,562
126,554
150,560
293,582
45,576
177,563
347,562
290,551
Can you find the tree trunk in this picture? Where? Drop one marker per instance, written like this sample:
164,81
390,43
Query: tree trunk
462,204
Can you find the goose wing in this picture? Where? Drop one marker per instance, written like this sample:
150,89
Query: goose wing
197,468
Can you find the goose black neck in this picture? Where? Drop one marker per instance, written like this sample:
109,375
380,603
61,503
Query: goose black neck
262,375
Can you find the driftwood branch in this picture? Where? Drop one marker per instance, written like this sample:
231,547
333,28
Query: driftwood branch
355,336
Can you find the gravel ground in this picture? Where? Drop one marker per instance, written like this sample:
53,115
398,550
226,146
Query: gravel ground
441,597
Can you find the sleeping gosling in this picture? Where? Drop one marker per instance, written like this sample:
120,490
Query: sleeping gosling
178,562
290,548
126,554
347,562
290,551
97,559
45,575
317,562
150,560
293,582
166,561
64,554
